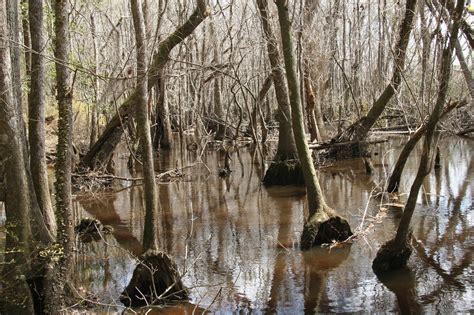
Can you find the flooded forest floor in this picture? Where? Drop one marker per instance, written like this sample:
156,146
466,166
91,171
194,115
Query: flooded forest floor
236,242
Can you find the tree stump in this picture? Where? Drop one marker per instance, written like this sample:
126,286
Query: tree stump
155,280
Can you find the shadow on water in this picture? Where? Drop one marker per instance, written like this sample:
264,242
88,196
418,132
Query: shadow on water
236,242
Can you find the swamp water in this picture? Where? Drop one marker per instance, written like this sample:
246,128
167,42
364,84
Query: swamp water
236,242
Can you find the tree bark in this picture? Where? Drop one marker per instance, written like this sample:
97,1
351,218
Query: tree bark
430,141
162,133
101,152
15,297
36,115
286,143
285,168
394,180
465,70
310,107
143,124
55,295
94,109
319,212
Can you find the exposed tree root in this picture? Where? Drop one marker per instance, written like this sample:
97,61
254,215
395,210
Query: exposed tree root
392,256
155,280
286,172
324,228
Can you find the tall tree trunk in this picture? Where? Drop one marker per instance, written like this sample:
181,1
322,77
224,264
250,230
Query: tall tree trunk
284,170
395,253
95,105
310,107
13,20
143,124
55,295
26,35
98,156
465,70
36,115
15,297
320,214
156,273
314,111
162,134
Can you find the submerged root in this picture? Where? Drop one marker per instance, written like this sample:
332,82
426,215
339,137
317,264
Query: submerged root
324,230
155,280
287,172
392,256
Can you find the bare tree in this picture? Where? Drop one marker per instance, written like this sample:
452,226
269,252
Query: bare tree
395,253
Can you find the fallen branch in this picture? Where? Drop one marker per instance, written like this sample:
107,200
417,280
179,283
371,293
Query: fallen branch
341,144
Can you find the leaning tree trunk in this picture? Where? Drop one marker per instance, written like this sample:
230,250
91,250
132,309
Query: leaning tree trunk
395,177
156,276
55,295
101,152
285,168
358,131
15,297
36,115
323,225
395,253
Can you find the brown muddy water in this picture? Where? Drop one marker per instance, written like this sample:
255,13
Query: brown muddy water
236,242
